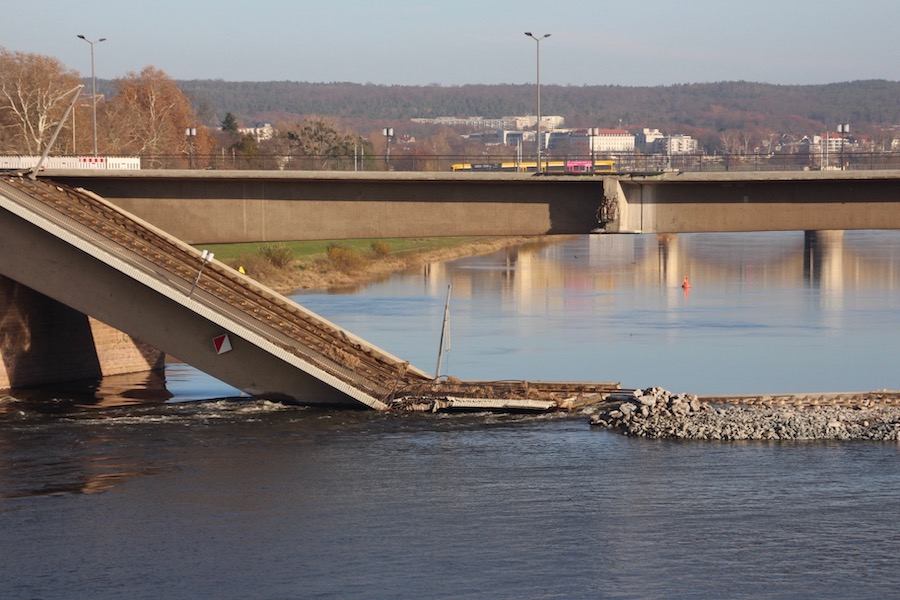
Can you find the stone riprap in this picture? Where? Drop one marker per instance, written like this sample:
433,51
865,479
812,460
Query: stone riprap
656,413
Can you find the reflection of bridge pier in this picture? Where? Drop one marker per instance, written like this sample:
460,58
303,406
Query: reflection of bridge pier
823,259
672,271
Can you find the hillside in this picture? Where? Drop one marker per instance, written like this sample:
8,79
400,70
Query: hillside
699,109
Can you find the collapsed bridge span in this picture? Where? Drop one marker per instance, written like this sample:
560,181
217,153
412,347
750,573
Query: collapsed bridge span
82,251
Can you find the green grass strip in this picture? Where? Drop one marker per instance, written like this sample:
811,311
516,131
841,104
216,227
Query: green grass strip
314,249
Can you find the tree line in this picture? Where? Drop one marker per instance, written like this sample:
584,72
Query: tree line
148,113
704,110
144,114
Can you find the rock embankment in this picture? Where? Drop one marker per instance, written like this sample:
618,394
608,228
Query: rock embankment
656,413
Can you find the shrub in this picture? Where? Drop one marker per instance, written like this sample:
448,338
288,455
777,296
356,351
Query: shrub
343,258
380,249
255,265
278,255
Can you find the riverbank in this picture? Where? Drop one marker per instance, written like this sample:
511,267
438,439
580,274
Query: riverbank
656,413
321,271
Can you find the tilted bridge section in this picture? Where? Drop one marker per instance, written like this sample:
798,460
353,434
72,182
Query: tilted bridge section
82,251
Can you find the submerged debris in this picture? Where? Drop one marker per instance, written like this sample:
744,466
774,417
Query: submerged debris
453,394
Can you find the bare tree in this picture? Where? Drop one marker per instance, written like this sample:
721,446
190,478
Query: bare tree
728,142
35,91
148,116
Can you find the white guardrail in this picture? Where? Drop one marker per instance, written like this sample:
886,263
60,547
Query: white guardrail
72,162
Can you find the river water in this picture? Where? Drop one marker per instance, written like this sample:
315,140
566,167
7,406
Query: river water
175,486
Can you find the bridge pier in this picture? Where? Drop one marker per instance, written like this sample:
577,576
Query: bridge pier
43,341
750,201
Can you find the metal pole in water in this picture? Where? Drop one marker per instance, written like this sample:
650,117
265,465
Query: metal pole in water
445,334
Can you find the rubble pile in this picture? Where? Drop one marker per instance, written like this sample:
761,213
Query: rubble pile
656,413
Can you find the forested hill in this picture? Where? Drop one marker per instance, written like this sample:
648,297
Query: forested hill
867,105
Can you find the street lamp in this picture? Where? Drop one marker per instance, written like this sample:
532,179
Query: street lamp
191,133
205,257
843,129
538,133
388,136
93,85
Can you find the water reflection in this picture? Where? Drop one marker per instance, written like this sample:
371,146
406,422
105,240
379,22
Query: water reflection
830,262
42,459
103,392
823,260
769,312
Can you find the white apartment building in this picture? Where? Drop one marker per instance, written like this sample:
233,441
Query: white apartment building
677,144
610,140
830,142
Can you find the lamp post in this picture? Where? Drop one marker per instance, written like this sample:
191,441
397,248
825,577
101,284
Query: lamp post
843,129
388,136
538,132
191,133
93,85
205,257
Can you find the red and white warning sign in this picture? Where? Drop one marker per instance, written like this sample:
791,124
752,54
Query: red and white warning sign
222,343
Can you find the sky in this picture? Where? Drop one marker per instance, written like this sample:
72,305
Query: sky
409,42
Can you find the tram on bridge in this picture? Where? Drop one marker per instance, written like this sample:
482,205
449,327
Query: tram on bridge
549,166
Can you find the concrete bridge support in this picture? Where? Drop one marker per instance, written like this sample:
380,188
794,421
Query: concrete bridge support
43,341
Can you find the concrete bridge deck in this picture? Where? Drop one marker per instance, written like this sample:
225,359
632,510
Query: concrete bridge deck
263,206
73,246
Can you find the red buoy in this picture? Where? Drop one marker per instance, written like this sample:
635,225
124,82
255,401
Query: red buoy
686,284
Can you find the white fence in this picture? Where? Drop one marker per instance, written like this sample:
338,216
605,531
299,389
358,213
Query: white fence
72,162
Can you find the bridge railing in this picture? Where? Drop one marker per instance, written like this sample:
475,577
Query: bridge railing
623,162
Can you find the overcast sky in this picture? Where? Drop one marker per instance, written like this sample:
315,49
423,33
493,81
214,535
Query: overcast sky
420,42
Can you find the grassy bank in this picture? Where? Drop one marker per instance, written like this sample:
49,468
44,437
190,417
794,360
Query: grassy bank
329,264
317,249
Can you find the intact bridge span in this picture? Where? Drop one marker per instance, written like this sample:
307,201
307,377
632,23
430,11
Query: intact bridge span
267,206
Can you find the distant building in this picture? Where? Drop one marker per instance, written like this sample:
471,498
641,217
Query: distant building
830,142
646,140
677,144
487,138
515,123
610,140
514,138
551,121
557,139
473,122
259,133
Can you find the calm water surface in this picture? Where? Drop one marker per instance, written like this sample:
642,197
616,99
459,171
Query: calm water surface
766,312
147,487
